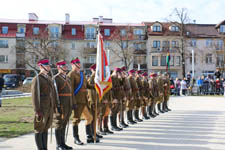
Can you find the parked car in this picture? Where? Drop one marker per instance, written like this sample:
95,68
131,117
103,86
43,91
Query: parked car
11,80
28,80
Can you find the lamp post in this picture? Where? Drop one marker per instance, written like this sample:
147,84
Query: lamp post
193,64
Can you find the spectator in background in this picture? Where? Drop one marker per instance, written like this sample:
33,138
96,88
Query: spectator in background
183,87
206,86
177,87
217,74
1,87
200,84
188,79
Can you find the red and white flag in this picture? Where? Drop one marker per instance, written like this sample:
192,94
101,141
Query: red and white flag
103,82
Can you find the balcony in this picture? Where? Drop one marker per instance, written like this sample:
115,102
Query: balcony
88,50
20,35
140,37
141,51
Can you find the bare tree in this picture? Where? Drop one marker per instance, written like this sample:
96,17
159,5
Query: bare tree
42,45
180,18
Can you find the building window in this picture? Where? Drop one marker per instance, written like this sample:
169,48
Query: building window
91,44
166,44
21,30
220,60
73,31
3,59
54,32
208,59
219,44
193,42
35,30
107,32
154,60
222,28
91,59
4,30
156,28
73,45
138,32
163,61
174,28
171,60
156,44
177,61
90,33
175,44
124,45
137,46
123,32
209,43
4,44
107,44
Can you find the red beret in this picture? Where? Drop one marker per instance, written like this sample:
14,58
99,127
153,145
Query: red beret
43,62
77,60
61,63
123,68
131,71
117,69
144,74
93,66
139,72
153,74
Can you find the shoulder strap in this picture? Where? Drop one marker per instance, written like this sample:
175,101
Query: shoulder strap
80,84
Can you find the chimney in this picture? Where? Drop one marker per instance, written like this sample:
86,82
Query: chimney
67,18
100,19
32,17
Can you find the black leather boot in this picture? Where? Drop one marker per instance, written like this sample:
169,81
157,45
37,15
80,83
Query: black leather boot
76,136
129,118
58,137
112,122
38,141
115,123
89,134
144,114
159,108
63,140
105,126
45,140
132,118
137,116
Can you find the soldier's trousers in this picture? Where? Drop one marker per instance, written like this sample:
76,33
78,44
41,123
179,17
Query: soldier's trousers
130,104
82,109
61,120
45,123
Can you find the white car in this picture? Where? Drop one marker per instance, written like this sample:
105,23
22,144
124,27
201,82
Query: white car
28,80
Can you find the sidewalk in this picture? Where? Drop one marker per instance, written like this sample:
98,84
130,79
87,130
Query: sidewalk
196,123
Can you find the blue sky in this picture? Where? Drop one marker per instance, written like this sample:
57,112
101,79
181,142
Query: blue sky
126,11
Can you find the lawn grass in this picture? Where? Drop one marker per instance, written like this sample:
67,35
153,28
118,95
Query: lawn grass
16,117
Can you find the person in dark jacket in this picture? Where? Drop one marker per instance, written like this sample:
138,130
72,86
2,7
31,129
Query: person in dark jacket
1,87
217,74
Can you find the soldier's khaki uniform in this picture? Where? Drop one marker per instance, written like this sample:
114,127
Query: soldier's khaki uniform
145,91
140,94
160,82
65,98
46,104
134,96
116,94
80,99
128,92
153,86
166,89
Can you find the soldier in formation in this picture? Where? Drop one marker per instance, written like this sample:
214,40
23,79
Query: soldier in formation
73,94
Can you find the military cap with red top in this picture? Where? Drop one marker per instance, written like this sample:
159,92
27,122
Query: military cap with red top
123,68
43,62
61,63
138,72
117,69
145,74
75,61
93,66
131,71
153,74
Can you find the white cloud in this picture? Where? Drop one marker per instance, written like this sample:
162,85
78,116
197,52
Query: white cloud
204,11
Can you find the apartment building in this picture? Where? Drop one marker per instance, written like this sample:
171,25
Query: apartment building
145,45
